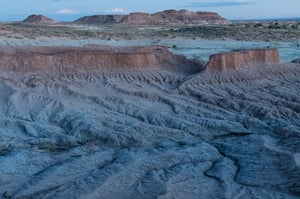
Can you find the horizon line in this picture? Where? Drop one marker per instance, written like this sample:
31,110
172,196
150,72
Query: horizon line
74,17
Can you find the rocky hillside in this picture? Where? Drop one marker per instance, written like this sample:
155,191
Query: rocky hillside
38,19
159,18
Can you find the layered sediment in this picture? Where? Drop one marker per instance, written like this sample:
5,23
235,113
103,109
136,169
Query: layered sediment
94,57
241,59
91,57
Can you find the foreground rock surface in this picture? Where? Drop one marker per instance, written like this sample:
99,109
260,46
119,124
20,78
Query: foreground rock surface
167,17
241,59
148,132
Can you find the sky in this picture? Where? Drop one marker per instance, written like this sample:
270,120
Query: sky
67,10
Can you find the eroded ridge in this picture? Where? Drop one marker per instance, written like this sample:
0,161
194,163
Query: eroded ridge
243,58
91,57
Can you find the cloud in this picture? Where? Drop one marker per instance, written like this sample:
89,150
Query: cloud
66,11
120,10
220,4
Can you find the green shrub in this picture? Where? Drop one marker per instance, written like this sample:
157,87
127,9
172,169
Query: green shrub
274,26
257,25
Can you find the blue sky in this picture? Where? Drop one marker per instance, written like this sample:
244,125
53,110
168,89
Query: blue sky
65,10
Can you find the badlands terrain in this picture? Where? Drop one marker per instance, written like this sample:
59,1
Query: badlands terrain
145,111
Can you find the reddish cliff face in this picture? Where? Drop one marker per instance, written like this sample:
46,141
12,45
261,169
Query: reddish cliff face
241,59
159,18
38,19
91,58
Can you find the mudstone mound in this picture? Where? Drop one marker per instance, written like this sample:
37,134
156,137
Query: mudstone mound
243,58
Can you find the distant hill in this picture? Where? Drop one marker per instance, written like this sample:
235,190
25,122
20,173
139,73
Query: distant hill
100,19
39,19
160,18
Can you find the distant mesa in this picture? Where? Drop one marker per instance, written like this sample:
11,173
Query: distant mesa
39,19
240,59
100,19
167,17
187,17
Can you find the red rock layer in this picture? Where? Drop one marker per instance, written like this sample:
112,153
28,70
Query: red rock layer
90,58
241,59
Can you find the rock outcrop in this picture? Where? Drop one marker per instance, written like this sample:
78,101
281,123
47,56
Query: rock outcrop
159,18
91,57
241,59
39,19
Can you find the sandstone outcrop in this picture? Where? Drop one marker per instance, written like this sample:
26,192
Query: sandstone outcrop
39,19
91,57
241,59
160,18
